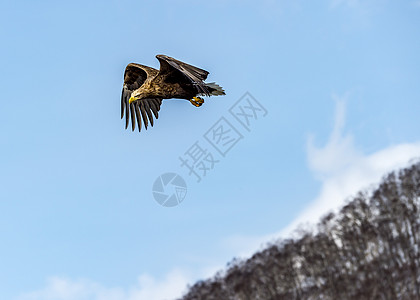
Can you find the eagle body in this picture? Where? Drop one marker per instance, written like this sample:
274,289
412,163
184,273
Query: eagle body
145,87
160,87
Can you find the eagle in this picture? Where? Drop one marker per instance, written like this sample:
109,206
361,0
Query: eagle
144,88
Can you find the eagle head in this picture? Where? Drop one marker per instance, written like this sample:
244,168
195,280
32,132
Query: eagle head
136,95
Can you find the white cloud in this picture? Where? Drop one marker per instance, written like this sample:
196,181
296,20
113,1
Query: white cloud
344,170
147,288
339,152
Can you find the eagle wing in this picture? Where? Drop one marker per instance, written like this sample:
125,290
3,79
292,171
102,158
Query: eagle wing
143,109
134,77
171,67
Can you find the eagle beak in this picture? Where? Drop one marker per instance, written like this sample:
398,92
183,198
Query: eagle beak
132,99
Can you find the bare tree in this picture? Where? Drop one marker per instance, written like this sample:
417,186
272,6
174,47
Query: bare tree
369,250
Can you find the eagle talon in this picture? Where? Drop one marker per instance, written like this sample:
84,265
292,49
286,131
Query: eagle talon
197,101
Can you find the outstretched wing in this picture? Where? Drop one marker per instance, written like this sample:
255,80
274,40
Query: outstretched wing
134,77
143,109
171,67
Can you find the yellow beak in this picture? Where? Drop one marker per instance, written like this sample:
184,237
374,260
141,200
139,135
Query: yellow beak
132,99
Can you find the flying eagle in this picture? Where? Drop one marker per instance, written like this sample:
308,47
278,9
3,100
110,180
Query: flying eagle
145,87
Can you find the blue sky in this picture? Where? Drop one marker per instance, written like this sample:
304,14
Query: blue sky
338,78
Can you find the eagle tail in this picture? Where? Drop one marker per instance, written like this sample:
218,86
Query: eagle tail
214,89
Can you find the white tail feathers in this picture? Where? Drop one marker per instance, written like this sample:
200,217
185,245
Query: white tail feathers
215,89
